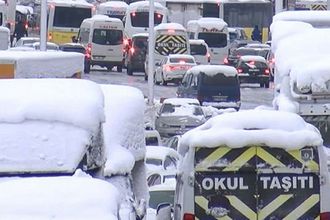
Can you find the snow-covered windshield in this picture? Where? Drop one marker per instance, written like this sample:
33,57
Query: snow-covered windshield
170,109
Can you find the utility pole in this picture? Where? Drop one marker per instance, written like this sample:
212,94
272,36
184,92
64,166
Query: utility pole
151,48
43,25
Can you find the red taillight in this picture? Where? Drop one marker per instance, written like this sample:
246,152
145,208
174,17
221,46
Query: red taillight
26,26
132,50
188,216
239,70
267,72
252,62
133,14
208,57
325,216
125,42
168,68
225,61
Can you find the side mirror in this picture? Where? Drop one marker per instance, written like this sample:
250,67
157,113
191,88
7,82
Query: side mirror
164,211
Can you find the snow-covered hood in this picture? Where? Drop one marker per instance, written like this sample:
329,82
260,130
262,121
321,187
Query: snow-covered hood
182,120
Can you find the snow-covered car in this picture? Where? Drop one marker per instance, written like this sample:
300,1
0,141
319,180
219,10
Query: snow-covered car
152,137
161,193
35,46
23,41
178,115
172,68
253,69
58,198
160,158
160,177
200,51
173,142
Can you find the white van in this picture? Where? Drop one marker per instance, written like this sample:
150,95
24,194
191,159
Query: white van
253,164
113,9
137,17
103,39
214,32
200,51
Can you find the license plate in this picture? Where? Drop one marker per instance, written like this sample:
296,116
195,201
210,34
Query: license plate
253,70
219,98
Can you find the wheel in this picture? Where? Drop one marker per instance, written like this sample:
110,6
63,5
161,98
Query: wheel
129,70
164,83
155,80
266,84
119,68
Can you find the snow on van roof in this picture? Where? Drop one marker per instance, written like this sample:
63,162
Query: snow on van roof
207,23
24,9
181,101
100,17
213,70
71,2
166,26
140,35
197,41
144,4
315,18
73,101
253,127
253,58
116,4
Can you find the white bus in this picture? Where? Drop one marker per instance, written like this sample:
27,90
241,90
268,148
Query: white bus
65,17
214,32
113,9
137,17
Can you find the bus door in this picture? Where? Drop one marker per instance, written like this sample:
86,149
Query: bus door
255,183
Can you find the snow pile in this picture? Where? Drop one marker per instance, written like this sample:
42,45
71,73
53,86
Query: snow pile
58,198
124,128
253,127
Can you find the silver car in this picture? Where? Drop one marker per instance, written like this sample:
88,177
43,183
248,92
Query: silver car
178,115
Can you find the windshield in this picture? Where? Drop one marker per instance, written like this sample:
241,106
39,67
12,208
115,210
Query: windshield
141,19
198,49
154,161
219,80
70,17
107,37
181,60
188,109
214,39
253,64
157,197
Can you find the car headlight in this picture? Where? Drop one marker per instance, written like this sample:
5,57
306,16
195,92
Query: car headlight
163,125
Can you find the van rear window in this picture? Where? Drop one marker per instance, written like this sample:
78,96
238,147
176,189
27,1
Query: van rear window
219,80
198,49
107,37
141,19
214,39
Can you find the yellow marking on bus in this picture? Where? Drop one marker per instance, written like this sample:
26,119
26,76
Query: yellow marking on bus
311,164
317,218
275,204
241,160
270,159
242,207
303,207
7,71
216,155
60,37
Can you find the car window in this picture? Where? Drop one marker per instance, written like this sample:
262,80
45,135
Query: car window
154,179
169,163
253,64
154,161
219,80
198,49
194,81
158,197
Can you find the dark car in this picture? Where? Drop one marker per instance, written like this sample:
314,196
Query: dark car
136,55
79,48
253,69
212,85
235,54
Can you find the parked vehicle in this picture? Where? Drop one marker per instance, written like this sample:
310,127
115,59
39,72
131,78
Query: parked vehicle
103,39
172,68
136,54
35,46
152,138
178,115
222,174
79,48
159,158
212,85
161,177
200,51
253,69
4,36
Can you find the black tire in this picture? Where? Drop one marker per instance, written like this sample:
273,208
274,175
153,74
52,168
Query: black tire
155,81
262,85
164,83
266,84
129,70
119,68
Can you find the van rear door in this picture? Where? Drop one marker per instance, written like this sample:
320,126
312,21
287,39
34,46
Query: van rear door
256,183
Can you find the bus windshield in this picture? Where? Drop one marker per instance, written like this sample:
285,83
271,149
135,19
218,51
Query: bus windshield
141,19
70,17
214,39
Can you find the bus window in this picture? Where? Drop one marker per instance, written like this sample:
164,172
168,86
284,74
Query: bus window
214,39
70,16
141,19
107,37
211,10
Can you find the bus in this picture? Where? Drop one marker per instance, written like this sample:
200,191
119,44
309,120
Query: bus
113,9
245,14
214,32
311,5
65,17
136,19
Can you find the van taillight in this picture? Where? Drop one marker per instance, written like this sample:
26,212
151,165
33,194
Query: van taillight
239,70
132,50
225,61
266,71
188,216
325,216
208,57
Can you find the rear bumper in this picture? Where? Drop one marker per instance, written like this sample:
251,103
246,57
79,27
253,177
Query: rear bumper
246,78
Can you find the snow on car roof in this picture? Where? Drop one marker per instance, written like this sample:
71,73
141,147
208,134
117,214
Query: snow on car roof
253,58
167,26
73,101
140,35
213,70
58,198
197,41
144,4
207,23
181,101
160,152
184,56
253,127
103,18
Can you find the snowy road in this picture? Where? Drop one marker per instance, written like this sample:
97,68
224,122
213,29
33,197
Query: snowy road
251,95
